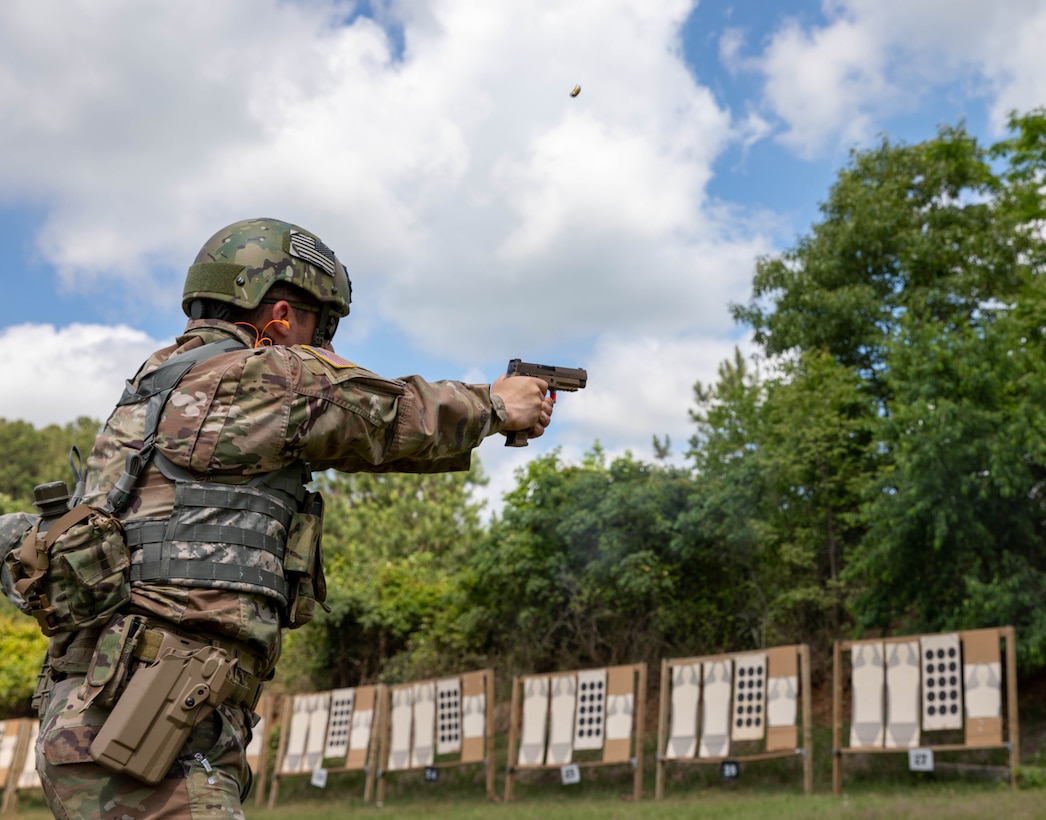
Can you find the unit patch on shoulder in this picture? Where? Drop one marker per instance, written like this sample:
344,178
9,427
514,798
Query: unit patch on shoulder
333,359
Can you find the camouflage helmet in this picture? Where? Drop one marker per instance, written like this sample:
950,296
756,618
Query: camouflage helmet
239,264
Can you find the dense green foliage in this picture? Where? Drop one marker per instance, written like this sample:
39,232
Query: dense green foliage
23,647
879,465
395,546
32,456
595,564
923,284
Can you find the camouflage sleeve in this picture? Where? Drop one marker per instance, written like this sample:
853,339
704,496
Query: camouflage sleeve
347,418
13,529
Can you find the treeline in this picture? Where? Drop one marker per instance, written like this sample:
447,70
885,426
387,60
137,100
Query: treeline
877,468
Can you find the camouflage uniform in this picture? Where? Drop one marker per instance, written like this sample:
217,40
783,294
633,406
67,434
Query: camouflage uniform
238,415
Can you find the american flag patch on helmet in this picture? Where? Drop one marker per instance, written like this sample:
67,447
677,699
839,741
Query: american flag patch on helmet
312,250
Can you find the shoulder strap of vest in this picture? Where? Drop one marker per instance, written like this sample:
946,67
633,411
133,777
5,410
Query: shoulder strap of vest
155,387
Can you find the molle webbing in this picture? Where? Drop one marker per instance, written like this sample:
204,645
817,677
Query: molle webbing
220,535
155,387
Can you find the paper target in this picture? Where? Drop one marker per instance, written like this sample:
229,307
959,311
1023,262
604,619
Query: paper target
942,682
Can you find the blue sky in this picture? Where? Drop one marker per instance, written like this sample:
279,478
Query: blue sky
482,211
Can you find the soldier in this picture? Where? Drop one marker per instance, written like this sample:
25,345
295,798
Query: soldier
204,461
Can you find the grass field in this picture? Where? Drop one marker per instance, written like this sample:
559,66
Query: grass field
927,801
965,785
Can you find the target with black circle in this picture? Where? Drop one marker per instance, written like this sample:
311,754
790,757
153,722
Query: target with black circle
748,720
448,715
941,659
590,714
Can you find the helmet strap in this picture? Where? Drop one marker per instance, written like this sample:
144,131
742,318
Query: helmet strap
209,309
319,335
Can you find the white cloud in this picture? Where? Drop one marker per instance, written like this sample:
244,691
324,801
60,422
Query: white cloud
834,84
460,182
56,375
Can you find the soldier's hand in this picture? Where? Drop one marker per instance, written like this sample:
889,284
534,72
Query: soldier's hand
527,403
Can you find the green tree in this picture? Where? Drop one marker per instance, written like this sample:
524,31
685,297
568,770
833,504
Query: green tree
23,646
34,456
588,564
906,230
923,281
394,545
781,465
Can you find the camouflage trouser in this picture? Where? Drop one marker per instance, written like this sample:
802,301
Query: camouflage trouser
77,787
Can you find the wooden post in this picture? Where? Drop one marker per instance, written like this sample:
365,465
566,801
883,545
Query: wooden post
837,718
637,789
384,717
25,732
1011,703
370,768
808,720
266,714
515,720
286,709
662,729
489,677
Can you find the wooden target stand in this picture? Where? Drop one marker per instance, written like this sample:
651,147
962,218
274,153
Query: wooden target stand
431,725
752,698
597,712
258,748
903,687
18,760
322,728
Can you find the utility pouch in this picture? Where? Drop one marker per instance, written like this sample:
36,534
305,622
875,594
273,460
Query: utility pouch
74,574
303,563
162,702
111,660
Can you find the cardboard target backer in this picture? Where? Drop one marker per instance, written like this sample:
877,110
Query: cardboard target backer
782,698
362,724
982,680
474,717
620,714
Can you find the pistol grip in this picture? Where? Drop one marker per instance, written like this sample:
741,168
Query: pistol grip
516,438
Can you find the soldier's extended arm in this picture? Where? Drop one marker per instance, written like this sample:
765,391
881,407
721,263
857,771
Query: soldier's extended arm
557,378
